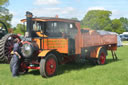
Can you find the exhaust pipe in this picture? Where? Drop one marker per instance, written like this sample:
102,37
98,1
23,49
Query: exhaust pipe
29,23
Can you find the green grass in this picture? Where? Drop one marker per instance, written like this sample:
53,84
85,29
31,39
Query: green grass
125,41
113,73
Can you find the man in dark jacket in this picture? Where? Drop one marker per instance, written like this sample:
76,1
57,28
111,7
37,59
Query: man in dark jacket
16,57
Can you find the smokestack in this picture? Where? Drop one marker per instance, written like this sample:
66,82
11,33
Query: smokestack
29,23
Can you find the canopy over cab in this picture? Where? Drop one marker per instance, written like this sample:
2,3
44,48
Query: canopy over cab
52,26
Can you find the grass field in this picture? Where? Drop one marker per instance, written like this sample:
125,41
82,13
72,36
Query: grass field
125,42
113,73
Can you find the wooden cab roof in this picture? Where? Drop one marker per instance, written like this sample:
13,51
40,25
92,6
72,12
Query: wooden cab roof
45,19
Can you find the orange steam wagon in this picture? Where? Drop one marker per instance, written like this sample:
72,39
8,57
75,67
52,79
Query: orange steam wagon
50,42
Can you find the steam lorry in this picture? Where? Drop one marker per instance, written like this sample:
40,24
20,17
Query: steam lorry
52,41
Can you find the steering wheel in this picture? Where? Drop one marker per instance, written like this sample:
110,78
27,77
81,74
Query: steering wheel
3,27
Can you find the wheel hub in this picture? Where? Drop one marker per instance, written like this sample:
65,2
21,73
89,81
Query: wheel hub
52,66
102,58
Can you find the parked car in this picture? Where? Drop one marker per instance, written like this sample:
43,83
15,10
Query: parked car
124,36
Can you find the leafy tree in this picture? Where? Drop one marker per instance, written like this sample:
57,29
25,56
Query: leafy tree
74,18
20,28
124,22
117,26
5,16
3,2
97,19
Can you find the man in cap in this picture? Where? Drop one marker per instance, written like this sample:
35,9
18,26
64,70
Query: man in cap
16,57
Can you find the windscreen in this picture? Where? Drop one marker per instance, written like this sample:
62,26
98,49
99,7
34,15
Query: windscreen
39,26
55,29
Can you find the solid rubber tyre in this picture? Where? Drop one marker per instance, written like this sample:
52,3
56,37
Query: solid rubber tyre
102,56
48,66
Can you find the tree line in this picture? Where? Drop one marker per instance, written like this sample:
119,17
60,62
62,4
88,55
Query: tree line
100,20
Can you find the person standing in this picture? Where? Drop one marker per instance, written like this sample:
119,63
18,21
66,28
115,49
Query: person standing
16,57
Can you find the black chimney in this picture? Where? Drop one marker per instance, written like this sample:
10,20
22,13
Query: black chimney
29,23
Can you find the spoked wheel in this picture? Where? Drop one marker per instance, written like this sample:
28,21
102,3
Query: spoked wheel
102,57
48,66
6,46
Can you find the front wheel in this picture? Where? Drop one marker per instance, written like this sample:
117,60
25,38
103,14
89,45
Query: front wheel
48,66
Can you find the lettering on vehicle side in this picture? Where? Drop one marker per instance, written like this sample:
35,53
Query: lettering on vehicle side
57,43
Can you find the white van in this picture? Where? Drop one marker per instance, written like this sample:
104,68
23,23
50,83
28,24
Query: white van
124,36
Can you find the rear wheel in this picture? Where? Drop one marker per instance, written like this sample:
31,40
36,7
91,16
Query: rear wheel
6,46
48,66
102,57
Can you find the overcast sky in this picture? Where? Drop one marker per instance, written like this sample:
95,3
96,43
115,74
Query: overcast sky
65,8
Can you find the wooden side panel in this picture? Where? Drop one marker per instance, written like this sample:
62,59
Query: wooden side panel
92,38
110,39
98,40
60,44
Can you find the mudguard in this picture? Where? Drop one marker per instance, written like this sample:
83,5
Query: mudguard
44,53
